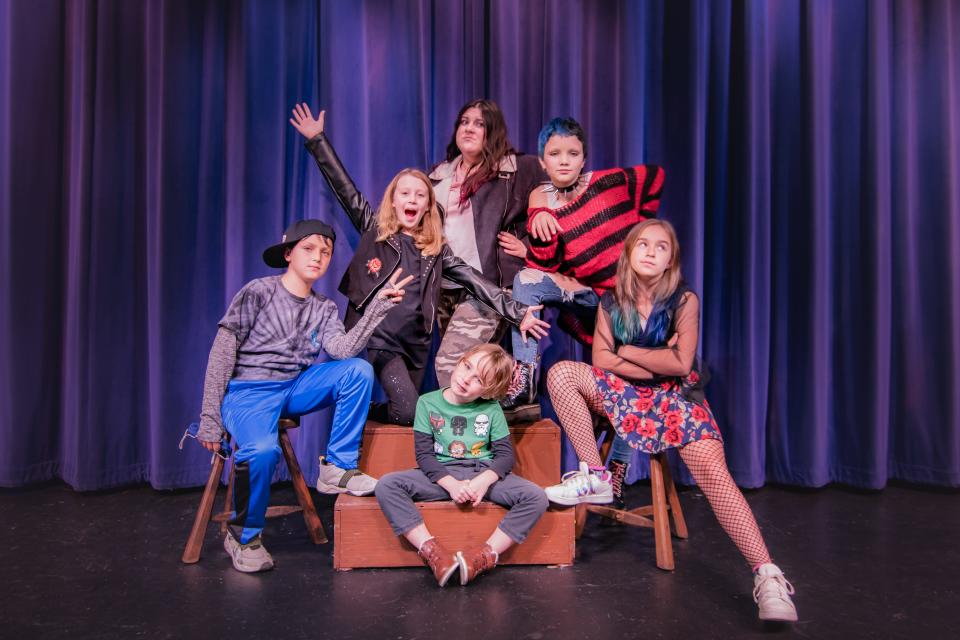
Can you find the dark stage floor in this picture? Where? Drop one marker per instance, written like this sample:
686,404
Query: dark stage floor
865,565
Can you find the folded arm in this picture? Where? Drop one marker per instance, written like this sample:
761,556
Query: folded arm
676,359
605,356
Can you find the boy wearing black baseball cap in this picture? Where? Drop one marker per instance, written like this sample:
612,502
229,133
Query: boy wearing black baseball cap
261,367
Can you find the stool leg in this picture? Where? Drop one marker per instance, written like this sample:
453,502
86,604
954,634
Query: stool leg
661,523
579,520
317,534
228,501
676,513
191,552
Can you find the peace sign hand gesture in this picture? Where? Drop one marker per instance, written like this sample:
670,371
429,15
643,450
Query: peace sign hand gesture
394,289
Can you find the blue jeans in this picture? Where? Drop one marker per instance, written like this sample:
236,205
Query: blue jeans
621,451
531,287
251,409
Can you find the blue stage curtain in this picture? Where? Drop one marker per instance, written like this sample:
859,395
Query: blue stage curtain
812,152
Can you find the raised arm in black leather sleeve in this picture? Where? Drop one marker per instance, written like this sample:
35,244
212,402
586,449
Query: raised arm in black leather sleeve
361,213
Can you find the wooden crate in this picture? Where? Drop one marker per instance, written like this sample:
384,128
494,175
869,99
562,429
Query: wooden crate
363,537
536,445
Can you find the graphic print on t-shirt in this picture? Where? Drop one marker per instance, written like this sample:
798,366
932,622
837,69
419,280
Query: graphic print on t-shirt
481,425
463,431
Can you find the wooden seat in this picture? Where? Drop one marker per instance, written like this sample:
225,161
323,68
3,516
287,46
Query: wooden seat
191,552
363,537
666,505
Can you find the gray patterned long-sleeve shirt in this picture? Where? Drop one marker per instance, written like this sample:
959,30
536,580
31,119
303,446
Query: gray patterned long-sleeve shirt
269,333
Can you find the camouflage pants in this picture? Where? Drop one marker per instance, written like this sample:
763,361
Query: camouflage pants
464,322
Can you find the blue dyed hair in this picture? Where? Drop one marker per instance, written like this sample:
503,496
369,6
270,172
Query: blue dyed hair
561,127
626,322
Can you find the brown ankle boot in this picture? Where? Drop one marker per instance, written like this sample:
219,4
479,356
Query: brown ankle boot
440,560
475,561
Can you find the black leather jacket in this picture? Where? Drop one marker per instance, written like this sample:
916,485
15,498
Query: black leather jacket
361,282
499,205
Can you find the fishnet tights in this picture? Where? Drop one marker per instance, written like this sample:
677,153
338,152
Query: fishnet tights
574,393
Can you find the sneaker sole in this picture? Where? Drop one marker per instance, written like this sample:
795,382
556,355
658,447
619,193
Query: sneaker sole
463,568
229,548
787,616
571,502
333,489
446,577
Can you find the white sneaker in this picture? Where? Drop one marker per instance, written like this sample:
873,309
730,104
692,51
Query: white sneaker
771,592
333,479
248,558
582,486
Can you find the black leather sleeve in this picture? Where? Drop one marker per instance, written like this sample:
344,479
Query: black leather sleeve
488,293
353,202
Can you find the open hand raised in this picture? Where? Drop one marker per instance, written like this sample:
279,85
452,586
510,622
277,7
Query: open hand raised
304,122
533,325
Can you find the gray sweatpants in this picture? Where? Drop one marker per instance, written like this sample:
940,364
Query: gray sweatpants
397,491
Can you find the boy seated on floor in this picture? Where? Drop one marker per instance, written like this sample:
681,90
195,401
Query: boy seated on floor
261,369
464,454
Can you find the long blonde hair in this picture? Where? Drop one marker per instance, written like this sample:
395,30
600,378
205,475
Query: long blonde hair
626,319
428,237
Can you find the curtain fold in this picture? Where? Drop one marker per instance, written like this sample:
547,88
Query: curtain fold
812,154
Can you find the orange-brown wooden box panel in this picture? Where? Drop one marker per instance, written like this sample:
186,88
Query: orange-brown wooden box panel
363,537
536,446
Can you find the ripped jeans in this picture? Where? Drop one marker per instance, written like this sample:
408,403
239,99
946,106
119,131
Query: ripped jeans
531,286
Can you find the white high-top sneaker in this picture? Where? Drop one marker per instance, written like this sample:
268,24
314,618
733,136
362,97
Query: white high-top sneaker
771,592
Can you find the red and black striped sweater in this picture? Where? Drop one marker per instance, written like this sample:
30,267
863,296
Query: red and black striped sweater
596,223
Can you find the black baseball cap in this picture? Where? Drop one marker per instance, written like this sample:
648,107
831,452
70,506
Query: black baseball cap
296,232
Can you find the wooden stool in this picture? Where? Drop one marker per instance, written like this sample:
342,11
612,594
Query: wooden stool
654,515
191,552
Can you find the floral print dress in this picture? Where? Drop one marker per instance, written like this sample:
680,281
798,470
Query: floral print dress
658,414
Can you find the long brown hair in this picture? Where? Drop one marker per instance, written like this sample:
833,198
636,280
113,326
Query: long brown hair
496,145
428,237
626,292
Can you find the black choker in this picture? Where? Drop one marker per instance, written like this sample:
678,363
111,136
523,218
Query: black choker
581,180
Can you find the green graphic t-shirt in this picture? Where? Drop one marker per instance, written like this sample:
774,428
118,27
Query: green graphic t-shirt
460,431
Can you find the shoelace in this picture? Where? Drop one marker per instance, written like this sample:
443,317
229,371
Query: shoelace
782,586
577,481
